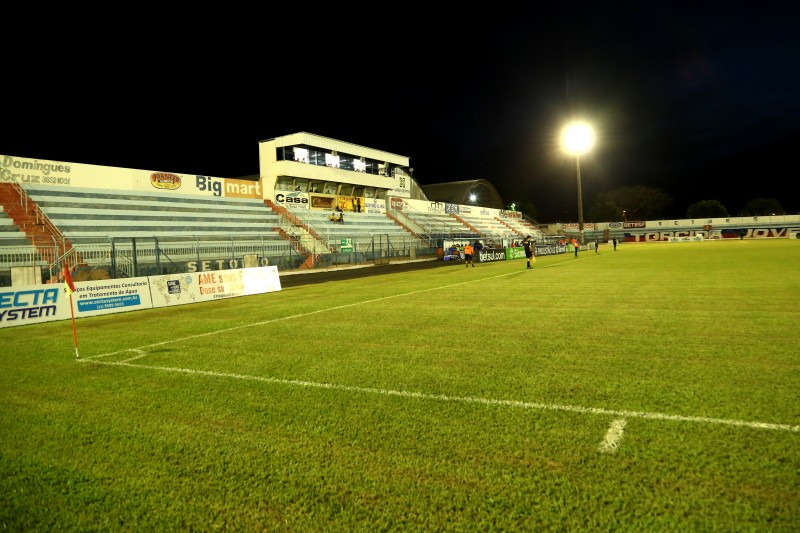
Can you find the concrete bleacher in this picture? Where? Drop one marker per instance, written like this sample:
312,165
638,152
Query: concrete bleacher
523,227
99,214
10,234
441,225
358,226
489,227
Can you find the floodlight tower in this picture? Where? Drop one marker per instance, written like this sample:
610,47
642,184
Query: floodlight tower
577,139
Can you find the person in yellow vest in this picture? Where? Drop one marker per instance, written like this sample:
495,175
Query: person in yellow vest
468,250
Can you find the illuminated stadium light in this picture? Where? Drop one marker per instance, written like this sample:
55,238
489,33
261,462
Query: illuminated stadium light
577,138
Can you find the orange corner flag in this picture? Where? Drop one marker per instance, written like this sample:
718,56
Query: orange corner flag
69,287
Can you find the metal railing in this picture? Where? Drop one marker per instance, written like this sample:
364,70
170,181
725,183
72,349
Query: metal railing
158,255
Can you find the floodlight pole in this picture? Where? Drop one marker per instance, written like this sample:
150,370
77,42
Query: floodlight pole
580,199
577,138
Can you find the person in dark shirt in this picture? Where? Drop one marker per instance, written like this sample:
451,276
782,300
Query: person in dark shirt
527,243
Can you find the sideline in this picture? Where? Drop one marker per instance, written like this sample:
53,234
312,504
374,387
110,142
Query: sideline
471,400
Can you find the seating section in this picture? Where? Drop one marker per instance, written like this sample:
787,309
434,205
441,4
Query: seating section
441,225
523,227
90,215
174,229
10,234
469,226
97,214
489,227
361,227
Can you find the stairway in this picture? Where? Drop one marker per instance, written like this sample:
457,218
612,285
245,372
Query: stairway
50,243
310,258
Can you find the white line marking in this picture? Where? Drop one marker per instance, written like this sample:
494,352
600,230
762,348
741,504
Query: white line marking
613,436
387,392
141,353
302,315
482,401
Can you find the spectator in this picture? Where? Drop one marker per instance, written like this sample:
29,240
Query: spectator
332,218
340,220
452,252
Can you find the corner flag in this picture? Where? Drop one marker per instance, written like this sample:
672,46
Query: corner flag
69,287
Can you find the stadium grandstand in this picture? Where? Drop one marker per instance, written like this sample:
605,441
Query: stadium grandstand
105,222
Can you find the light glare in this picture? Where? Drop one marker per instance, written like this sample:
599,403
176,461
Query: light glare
578,138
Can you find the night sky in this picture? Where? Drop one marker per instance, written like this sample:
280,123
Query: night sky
702,103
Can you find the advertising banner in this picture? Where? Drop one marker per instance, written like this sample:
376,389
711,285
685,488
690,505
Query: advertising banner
101,297
20,306
59,174
179,289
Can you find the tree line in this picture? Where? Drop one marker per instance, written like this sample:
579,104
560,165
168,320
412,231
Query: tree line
648,203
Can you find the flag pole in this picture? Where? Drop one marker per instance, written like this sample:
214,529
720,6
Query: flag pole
69,288
74,331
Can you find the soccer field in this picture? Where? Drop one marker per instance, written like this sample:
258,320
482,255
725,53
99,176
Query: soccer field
655,388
